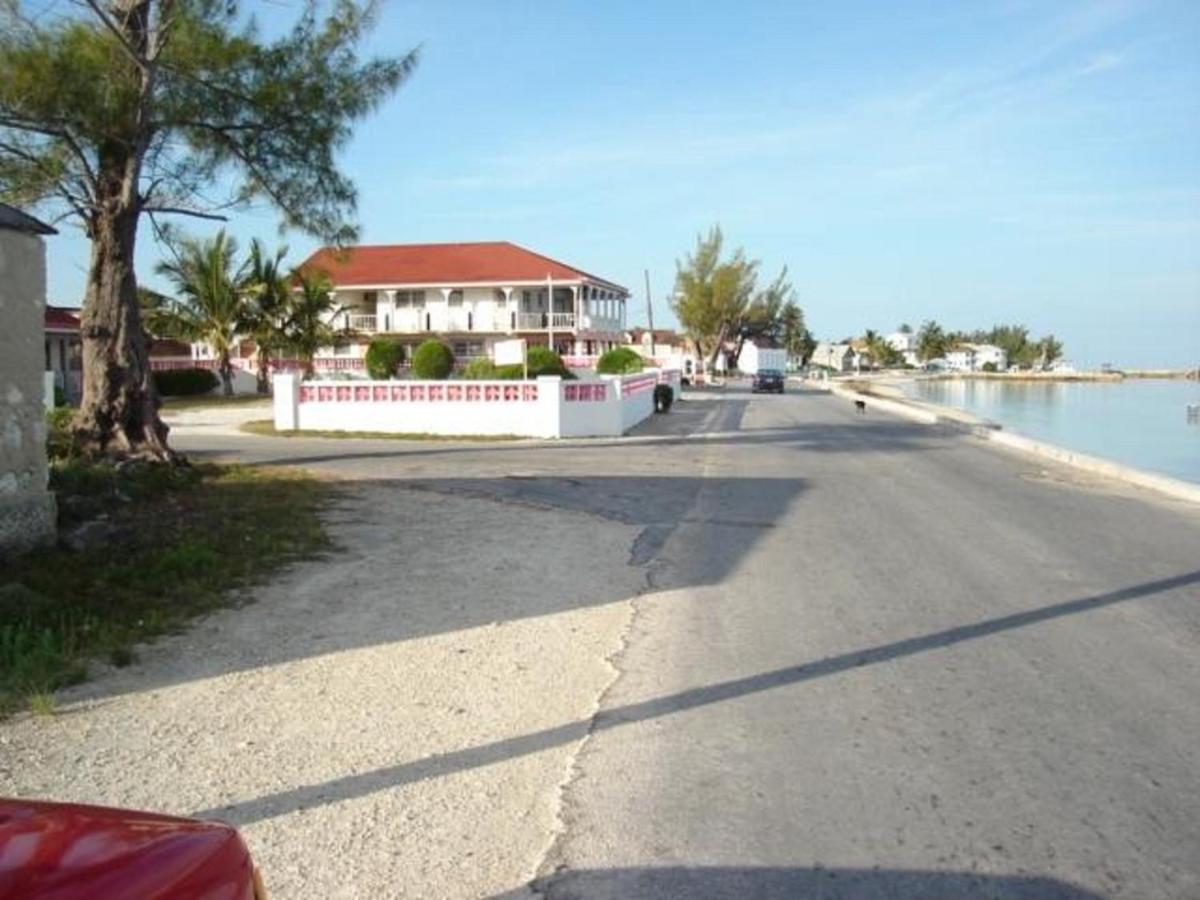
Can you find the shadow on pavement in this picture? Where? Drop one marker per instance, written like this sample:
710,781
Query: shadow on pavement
419,557
351,786
787,883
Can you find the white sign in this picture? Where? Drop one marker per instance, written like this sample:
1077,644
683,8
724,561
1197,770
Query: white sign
509,353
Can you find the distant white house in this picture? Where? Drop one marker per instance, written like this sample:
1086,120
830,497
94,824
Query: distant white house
904,343
990,353
839,357
973,357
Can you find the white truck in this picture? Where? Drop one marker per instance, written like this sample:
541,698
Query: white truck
754,359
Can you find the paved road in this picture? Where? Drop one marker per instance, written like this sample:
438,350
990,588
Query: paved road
870,660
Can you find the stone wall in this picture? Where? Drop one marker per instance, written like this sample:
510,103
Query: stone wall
27,513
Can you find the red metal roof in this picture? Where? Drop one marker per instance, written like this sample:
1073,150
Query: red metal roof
449,264
59,318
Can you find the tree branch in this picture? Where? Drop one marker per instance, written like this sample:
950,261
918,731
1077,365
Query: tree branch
180,211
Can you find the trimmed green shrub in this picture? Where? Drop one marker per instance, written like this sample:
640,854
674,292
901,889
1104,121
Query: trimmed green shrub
480,369
544,361
619,361
433,361
383,358
664,396
185,382
514,372
989,367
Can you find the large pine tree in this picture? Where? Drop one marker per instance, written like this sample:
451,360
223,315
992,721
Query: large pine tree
127,109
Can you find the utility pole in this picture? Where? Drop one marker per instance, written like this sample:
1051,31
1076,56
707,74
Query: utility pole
649,312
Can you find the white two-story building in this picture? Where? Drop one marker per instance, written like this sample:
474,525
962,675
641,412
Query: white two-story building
470,296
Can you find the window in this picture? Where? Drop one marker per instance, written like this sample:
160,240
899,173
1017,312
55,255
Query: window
369,297
456,298
467,349
410,298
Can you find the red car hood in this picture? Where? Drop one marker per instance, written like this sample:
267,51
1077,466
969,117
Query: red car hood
63,851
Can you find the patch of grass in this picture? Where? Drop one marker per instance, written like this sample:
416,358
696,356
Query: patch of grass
41,704
178,540
266,427
211,401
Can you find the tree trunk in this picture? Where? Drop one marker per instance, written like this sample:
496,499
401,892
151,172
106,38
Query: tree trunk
263,385
118,416
225,367
718,346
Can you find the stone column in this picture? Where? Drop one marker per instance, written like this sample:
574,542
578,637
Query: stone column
27,509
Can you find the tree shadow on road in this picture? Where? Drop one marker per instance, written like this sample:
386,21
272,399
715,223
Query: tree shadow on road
792,883
425,556
362,784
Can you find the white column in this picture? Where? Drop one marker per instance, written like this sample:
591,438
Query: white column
389,323
508,310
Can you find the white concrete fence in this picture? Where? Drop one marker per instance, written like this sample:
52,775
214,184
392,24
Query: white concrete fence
546,408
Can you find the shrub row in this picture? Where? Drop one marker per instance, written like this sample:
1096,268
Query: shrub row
185,382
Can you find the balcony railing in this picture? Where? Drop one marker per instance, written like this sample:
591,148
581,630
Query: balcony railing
540,320
360,322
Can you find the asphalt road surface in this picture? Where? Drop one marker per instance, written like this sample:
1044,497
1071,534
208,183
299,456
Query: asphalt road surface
870,659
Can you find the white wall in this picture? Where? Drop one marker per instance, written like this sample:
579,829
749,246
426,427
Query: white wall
545,408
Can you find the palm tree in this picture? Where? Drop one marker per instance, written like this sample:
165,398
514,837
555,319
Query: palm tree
269,293
932,341
310,308
211,305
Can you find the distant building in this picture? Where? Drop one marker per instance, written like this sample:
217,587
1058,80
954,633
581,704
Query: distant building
973,357
904,343
838,357
64,350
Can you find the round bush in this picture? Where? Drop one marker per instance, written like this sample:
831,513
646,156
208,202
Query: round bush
619,361
544,361
383,358
185,382
480,369
664,396
513,372
433,361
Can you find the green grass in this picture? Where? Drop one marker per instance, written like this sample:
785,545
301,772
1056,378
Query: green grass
183,538
211,401
266,427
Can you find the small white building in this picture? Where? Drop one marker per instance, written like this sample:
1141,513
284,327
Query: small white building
904,343
974,357
839,357
990,353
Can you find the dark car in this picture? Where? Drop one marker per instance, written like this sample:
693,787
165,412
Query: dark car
768,380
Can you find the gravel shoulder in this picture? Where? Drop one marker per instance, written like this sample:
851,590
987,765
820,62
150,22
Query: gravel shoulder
366,721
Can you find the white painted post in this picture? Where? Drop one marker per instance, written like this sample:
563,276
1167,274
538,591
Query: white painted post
287,394
48,390
550,403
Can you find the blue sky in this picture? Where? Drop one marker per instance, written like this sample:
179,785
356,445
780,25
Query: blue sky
973,162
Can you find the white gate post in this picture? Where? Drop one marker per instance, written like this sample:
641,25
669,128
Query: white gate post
287,393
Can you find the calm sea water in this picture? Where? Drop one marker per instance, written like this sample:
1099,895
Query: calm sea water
1141,423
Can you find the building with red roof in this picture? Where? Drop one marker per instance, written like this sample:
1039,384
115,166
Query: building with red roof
470,295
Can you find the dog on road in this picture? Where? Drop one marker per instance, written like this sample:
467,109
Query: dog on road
861,406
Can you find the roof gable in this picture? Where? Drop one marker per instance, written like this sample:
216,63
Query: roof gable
417,264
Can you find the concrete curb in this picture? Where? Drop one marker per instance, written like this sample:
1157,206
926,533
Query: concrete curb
994,434
1163,484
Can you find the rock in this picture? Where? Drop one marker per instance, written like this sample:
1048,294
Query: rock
90,534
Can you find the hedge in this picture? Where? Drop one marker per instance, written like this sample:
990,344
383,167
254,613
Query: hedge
185,382
619,361
480,369
383,358
433,360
